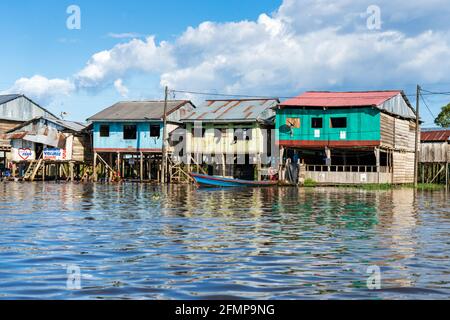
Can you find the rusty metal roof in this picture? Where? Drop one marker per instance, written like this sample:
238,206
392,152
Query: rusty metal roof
435,135
391,101
241,110
138,110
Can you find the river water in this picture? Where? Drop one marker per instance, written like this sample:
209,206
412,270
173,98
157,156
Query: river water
131,241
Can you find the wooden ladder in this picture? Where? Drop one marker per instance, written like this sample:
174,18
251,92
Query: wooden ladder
33,169
177,172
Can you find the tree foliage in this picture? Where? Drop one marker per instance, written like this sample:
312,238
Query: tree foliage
443,120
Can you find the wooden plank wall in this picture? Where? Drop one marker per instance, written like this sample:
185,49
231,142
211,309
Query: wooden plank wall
82,149
405,135
397,133
434,152
387,130
403,167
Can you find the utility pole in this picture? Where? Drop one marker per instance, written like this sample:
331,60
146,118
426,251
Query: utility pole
164,142
416,157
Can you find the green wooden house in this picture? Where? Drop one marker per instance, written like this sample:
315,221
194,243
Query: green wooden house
349,137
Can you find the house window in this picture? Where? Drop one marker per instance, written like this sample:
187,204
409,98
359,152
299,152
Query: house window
317,123
130,132
338,122
293,123
155,131
104,131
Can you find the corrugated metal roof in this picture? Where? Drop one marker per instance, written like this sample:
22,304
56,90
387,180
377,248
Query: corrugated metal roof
8,97
246,110
435,135
71,125
341,99
137,110
391,101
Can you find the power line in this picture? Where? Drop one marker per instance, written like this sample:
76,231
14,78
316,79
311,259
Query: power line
426,105
436,93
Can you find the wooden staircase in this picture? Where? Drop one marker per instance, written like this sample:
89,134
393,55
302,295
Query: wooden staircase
34,169
177,172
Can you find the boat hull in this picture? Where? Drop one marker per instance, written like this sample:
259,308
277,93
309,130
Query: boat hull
213,181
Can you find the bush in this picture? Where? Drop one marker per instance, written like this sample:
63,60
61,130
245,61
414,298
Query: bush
310,183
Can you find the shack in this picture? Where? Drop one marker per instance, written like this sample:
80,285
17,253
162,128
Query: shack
49,148
349,137
232,138
15,109
435,155
128,138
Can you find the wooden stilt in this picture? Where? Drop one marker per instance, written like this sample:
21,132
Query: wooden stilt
141,167
95,167
71,172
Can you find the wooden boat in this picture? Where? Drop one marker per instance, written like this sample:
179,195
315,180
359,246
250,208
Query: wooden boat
204,180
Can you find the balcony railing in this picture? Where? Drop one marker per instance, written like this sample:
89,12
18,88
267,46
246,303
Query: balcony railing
347,168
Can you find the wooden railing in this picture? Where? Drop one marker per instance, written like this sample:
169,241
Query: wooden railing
348,168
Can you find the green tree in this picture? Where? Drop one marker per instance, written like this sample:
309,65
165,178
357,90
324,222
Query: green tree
443,120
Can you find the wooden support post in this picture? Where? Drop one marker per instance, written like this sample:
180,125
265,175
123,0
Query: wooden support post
71,172
43,171
224,173
328,155
111,164
259,167
119,165
377,157
141,167
95,167
446,176
280,165
122,160
164,142
416,157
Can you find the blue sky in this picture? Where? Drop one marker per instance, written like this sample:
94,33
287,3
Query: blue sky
265,47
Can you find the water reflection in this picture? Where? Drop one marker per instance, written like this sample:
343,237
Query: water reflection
143,241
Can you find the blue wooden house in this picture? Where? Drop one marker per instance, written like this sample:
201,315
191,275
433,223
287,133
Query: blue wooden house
128,136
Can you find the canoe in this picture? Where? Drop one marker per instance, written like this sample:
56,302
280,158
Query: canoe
214,181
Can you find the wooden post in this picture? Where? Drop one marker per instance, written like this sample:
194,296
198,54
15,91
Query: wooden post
164,146
71,174
142,167
446,176
416,160
119,165
123,166
377,156
328,154
95,167
259,167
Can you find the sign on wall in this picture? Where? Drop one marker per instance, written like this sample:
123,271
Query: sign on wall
54,154
24,153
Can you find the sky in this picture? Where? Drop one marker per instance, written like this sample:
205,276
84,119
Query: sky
130,50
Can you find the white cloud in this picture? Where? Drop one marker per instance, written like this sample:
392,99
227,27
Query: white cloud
41,88
121,88
136,55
